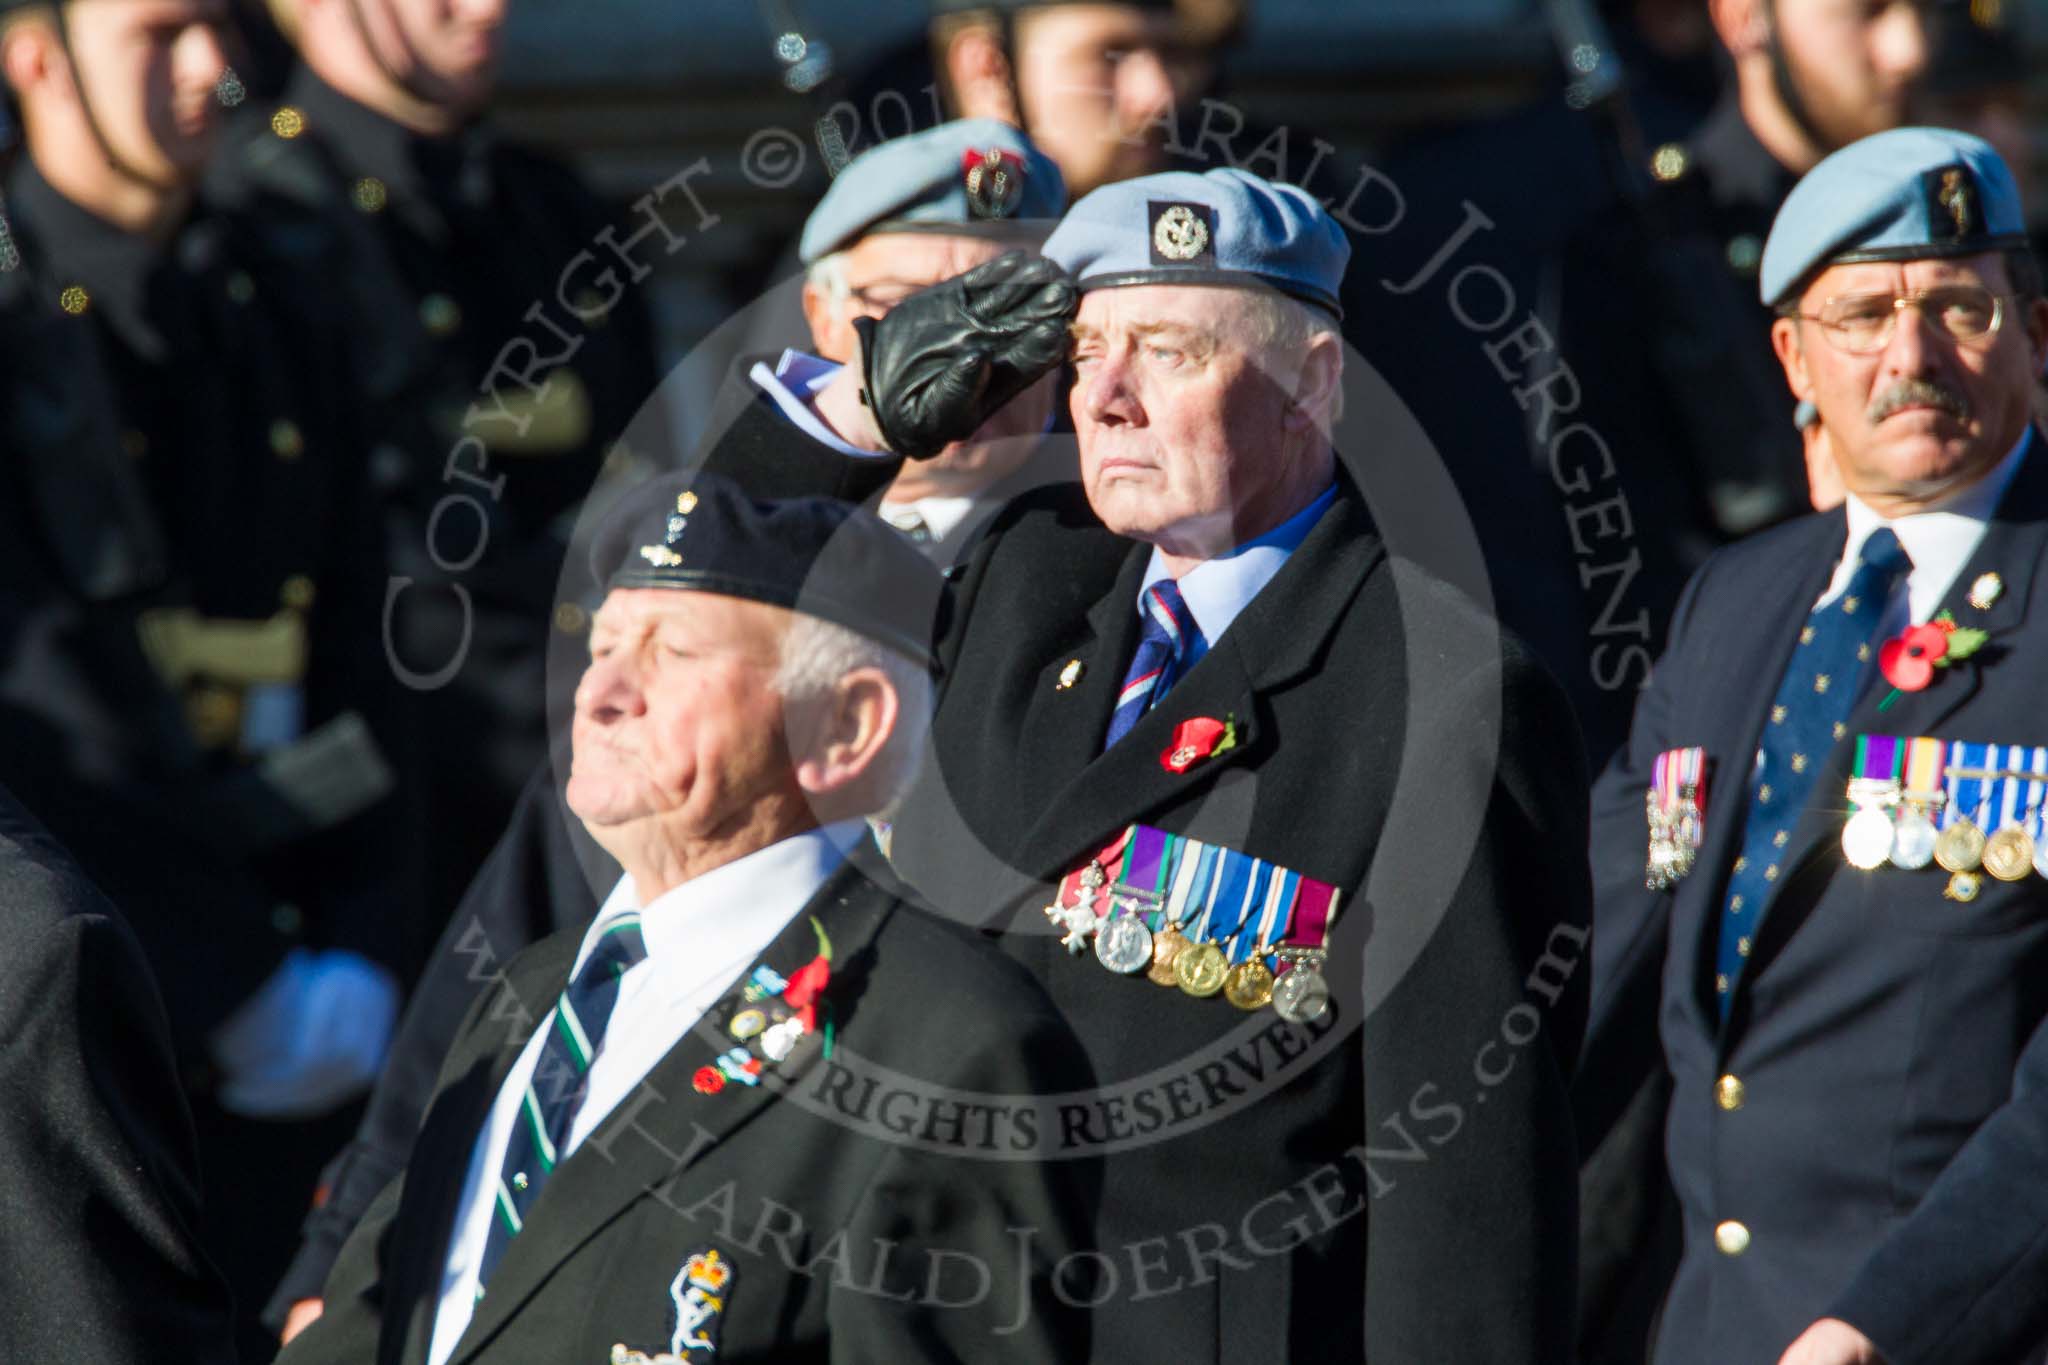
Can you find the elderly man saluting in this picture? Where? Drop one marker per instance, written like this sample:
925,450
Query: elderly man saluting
1200,757
1844,755
659,1139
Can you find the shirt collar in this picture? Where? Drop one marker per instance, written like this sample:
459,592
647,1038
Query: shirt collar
1939,542
364,142
1216,590
734,910
68,245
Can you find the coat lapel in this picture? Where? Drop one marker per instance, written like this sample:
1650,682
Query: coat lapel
665,1125
439,1167
1274,639
1752,658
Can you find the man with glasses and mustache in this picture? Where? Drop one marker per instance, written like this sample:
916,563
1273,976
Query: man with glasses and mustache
1834,911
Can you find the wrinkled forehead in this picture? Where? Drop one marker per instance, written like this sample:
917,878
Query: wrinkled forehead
1207,309
919,258
706,617
1873,277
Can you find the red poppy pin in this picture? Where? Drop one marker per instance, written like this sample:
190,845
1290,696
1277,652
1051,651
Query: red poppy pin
809,980
1908,663
1197,739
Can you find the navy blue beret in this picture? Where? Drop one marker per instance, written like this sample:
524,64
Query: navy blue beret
1903,195
819,556
1224,226
969,177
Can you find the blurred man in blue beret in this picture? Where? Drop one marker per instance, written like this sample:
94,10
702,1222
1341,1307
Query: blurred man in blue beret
905,215
750,1112
1833,914
1168,767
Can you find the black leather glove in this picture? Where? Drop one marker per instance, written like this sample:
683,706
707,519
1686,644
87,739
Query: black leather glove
945,358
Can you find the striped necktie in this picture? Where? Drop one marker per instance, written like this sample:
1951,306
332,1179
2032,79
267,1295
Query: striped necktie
1166,639
574,1031
1808,717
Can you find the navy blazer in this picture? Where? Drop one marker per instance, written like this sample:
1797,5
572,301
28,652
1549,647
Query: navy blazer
1877,1024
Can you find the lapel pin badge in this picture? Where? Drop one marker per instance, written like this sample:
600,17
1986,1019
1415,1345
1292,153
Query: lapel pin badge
1986,590
1070,675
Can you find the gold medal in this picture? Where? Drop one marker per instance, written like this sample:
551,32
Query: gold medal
1249,985
1960,847
2009,854
1167,946
1867,838
1200,969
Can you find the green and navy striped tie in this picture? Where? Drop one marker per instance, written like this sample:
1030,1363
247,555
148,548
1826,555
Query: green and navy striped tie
574,1032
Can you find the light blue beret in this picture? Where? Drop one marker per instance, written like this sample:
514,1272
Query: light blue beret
1224,226
1903,195
970,176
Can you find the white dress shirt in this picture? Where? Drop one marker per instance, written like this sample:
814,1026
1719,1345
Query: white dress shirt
1939,543
700,936
1216,590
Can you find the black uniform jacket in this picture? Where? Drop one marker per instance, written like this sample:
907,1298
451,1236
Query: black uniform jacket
184,536
1272,1191
99,1195
1877,1024
889,1201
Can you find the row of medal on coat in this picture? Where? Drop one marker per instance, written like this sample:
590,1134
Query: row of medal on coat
1970,809
1206,919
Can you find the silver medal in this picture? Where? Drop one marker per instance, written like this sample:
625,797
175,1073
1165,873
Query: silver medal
1301,996
1867,838
1124,945
1913,840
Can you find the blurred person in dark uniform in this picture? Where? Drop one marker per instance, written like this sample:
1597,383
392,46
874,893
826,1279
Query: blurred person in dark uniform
495,300
193,692
1569,308
99,1196
1097,85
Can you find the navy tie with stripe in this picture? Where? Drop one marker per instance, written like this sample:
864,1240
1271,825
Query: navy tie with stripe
1166,641
574,1031
1807,720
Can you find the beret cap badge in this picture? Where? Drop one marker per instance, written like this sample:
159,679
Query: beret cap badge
1180,232
664,555
994,180
1955,193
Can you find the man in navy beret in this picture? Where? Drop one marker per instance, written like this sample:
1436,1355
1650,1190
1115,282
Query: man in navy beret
738,1116
1832,916
1286,830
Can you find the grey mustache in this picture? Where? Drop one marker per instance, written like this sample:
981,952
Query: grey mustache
1912,392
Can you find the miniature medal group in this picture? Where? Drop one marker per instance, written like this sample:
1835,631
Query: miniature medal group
1203,918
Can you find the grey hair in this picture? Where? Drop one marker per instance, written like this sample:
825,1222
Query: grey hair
1274,323
817,653
827,275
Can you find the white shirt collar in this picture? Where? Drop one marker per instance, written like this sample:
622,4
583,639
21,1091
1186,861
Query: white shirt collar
733,911
1939,542
1217,590
940,515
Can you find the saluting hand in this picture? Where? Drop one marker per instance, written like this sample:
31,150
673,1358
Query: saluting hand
1831,1342
945,358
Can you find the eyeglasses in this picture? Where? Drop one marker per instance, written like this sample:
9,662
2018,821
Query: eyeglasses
1861,324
